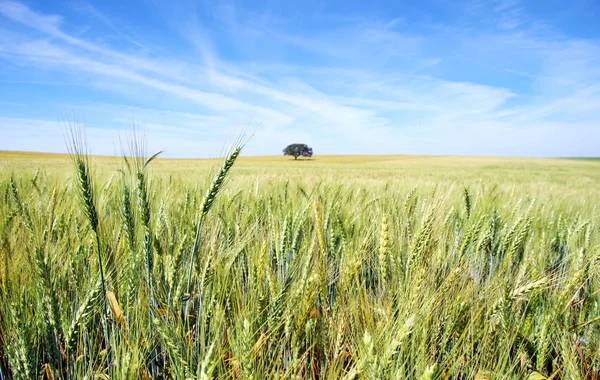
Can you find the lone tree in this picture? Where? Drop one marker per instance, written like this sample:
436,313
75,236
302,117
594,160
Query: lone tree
298,150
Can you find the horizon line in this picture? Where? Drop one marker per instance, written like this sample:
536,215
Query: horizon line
66,154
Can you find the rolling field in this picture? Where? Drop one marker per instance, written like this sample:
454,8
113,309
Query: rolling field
366,267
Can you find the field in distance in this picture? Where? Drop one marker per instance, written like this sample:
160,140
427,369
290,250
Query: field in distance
544,177
376,267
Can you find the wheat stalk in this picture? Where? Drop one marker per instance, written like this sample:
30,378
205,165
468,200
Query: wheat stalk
208,200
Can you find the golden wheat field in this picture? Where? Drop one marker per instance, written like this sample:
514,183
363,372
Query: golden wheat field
335,267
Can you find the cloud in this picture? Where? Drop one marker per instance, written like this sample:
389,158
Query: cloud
120,31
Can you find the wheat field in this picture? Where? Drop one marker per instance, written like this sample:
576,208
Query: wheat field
338,267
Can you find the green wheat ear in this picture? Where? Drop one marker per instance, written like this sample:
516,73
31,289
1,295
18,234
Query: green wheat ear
83,316
209,198
77,147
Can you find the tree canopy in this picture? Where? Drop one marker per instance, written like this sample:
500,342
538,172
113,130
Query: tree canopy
297,150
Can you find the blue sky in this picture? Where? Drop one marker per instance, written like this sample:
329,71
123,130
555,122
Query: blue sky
501,77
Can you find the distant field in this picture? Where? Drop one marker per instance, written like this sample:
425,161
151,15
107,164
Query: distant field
543,177
584,158
374,267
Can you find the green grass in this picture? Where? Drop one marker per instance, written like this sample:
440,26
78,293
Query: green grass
417,267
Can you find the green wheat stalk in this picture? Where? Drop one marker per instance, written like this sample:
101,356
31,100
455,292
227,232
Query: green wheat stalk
207,202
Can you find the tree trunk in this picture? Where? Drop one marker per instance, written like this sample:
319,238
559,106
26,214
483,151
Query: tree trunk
295,157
